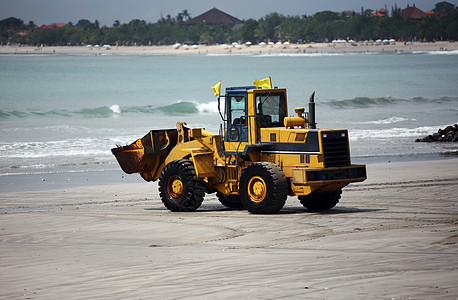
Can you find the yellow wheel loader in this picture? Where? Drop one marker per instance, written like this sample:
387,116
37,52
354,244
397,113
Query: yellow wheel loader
261,156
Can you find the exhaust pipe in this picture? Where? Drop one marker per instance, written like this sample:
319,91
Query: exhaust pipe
312,123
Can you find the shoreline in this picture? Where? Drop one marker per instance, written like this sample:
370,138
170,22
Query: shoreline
68,178
313,48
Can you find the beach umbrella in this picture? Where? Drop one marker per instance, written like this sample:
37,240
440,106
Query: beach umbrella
262,44
271,43
194,46
248,44
176,46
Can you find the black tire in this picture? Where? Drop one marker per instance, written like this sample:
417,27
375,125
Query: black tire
179,188
263,188
231,201
322,201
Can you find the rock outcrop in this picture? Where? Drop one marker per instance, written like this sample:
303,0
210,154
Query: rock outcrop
448,134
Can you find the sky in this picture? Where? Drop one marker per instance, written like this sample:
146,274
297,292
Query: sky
108,11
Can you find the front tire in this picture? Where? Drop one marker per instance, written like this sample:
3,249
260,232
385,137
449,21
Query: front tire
179,188
263,188
322,201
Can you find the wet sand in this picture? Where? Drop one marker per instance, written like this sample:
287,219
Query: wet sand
393,236
313,48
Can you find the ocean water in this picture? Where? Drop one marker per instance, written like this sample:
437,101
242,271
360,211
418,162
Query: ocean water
61,114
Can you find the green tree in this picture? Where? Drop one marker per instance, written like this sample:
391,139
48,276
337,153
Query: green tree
83,23
289,29
450,27
183,16
12,23
443,7
267,26
247,31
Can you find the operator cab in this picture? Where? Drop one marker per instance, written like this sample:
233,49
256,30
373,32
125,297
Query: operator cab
248,107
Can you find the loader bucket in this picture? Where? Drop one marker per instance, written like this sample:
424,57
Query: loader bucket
145,155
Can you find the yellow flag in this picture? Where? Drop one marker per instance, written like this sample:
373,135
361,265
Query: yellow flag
217,88
265,83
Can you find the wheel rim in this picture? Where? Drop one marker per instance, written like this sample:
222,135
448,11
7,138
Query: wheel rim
257,189
175,187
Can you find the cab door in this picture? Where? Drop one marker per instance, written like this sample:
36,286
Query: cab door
237,118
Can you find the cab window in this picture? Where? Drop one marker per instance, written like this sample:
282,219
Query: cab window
270,109
237,110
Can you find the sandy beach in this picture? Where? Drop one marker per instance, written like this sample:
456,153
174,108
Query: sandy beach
391,237
361,47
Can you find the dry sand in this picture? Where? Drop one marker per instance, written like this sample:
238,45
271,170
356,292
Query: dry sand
398,47
393,236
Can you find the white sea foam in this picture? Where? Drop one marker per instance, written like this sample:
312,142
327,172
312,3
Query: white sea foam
442,52
390,120
80,147
452,52
265,53
229,54
390,133
115,108
210,107
300,54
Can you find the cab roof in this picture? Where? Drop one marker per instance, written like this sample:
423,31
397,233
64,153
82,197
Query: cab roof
246,88
241,88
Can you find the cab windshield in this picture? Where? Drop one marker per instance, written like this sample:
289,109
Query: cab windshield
270,109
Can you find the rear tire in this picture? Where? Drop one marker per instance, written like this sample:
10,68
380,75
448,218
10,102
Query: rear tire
263,188
231,201
322,201
179,188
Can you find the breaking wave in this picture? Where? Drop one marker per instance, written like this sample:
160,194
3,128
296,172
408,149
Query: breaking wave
177,108
194,107
364,102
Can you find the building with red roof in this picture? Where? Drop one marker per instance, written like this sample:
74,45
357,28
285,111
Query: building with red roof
213,17
413,13
348,13
51,26
381,13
